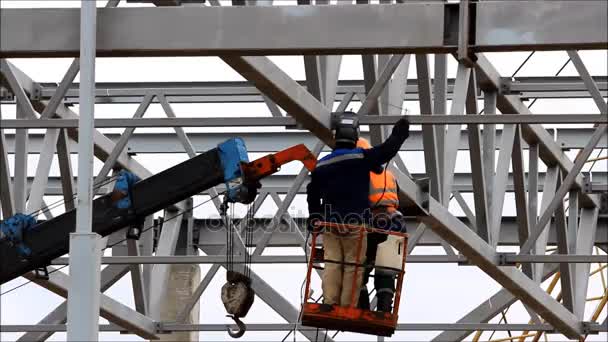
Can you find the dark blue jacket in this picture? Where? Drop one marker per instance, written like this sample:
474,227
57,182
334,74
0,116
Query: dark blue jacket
339,186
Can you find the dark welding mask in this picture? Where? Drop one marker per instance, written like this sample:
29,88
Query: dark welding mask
346,126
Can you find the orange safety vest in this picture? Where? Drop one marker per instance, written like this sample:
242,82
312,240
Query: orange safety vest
383,191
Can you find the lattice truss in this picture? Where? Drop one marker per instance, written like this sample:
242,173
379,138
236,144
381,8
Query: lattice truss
515,195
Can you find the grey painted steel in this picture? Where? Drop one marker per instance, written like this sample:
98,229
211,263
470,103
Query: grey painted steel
533,189
83,297
11,76
42,170
109,276
484,256
124,139
467,211
489,143
550,151
584,242
137,279
285,92
564,188
85,246
483,313
136,31
238,91
285,236
433,152
21,158
449,327
549,187
140,143
452,135
500,182
566,270
503,25
103,145
286,121
467,242
110,309
297,259
6,195
482,210
65,169
440,90
521,205
589,83
282,183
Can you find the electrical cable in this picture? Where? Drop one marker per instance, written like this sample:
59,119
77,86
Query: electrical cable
71,200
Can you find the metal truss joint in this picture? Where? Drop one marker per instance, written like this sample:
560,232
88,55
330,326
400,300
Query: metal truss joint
589,328
6,95
36,92
587,185
505,260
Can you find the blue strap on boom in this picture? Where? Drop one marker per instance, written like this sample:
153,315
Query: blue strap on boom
123,186
13,229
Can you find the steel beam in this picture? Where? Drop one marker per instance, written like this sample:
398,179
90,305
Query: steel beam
482,209
85,245
453,132
111,310
452,327
21,159
141,143
109,276
566,270
122,142
564,188
286,236
503,25
285,92
584,242
239,91
484,312
484,256
589,83
431,137
6,195
137,31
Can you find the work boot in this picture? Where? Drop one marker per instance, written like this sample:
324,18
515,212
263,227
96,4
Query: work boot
364,299
385,302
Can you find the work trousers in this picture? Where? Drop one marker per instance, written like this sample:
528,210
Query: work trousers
383,283
337,282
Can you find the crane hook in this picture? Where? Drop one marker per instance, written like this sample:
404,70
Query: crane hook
237,333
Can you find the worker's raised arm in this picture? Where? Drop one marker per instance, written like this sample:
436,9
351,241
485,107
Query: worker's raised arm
388,149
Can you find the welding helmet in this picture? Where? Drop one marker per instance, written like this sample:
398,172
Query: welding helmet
346,126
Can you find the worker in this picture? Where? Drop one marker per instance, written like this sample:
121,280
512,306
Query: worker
338,192
384,204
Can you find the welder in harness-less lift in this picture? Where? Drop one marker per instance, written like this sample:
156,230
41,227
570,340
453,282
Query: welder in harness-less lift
338,193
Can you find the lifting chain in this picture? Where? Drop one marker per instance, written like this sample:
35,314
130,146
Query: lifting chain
237,294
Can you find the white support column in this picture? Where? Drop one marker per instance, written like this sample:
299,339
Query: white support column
85,246
6,195
21,154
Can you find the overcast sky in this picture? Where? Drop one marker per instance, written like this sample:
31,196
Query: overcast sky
440,293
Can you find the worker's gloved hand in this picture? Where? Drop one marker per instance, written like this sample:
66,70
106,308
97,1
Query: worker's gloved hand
402,127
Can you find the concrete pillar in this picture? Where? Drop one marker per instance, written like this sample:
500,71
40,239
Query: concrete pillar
183,280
